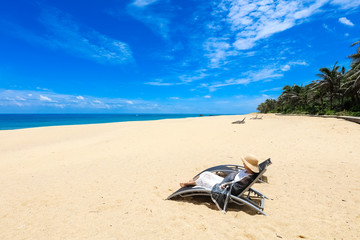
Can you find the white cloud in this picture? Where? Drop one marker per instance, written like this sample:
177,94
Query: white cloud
207,96
346,4
244,44
43,89
64,104
303,63
143,3
143,11
272,89
253,21
63,32
241,24
200,74
218,49
59,105
215,85
19,104
45,98
285,68
159,82
264,74
249,77
49,99
20,98
328,28
174,98
288,66
235,26
182,79
346,21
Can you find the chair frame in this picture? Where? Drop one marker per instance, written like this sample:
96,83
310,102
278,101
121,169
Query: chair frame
239,122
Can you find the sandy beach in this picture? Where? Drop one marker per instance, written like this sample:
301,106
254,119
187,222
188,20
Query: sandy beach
110,181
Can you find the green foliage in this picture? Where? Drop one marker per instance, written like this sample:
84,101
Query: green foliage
330,112
335,92
268,105
348,113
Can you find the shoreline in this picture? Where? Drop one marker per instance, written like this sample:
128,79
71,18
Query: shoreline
89,119
110,181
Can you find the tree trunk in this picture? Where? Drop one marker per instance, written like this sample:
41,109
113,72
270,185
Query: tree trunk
331,102
322,103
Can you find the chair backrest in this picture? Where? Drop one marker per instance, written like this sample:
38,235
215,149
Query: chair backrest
262,168
264,164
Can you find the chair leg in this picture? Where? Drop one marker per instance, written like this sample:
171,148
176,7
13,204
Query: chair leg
258,193
247,202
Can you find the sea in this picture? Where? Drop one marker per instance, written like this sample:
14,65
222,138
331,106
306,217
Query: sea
18,121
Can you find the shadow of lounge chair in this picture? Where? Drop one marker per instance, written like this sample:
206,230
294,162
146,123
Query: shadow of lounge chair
246,197
239,122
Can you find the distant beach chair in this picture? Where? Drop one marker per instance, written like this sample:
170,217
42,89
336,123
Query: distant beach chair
256,117
239,122
249,196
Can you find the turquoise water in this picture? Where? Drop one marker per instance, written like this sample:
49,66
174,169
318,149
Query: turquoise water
17,121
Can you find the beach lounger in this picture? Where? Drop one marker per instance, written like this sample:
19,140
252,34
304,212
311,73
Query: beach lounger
248,196
239,122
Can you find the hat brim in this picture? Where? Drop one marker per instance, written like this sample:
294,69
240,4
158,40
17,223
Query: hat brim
253,168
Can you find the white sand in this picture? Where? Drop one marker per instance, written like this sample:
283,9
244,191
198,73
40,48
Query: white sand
109,181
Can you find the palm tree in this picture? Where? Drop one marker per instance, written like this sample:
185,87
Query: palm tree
329,81
284,98
304,96
296,95
292,96
268,105
353,76
315,98
341,87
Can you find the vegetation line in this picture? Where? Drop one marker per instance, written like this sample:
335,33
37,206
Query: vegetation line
336,92
348,118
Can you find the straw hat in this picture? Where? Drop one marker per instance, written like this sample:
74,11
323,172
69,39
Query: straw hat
251,162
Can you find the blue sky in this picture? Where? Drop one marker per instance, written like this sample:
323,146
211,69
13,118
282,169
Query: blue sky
166,56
